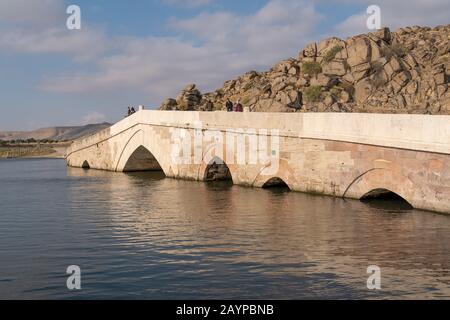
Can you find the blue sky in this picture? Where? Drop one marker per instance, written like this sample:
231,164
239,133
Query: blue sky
143,51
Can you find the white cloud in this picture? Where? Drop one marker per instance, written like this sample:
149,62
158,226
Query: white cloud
39,26
230,45
93,117
55,40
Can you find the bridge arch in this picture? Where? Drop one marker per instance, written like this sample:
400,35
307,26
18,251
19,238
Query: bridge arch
385,194
140,152
284,175
275,182
85,165
142,160
382,183
216,170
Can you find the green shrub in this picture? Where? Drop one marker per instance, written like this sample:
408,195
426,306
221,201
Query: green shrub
331,54
311,68
312,93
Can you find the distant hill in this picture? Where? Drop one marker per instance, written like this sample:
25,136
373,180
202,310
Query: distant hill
55,133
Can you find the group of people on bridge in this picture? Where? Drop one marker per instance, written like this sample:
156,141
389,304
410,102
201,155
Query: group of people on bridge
237,107
131,111
234,107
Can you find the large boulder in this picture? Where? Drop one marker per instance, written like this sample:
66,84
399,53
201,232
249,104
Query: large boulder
334,67
363,90
399,81
310,50
190,98
322,80
360,71
326,45
285,66
358,51
169,104
392,67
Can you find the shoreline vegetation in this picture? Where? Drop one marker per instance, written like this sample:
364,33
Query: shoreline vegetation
33,149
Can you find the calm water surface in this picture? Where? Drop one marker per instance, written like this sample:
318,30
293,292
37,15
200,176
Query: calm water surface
143,236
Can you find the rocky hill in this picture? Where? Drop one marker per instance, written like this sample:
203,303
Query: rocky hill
406,71
54,133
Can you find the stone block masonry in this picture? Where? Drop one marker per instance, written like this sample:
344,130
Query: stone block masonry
336,154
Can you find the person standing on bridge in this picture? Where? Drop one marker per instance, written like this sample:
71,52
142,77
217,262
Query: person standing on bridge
238,107
229,105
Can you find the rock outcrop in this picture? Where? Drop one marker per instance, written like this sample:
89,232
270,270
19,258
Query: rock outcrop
406,71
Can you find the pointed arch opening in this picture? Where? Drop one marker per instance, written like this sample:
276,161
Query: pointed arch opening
277,183
217,170
385,198
142,160
85,165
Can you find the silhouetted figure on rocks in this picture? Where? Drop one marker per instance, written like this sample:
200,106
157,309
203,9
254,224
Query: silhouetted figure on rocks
129,111
132,110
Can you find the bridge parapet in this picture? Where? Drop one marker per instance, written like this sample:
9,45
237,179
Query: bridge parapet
413,132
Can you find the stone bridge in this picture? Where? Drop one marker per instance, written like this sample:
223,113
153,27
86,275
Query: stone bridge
337,154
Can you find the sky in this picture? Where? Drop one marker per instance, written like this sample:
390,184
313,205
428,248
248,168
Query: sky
129,53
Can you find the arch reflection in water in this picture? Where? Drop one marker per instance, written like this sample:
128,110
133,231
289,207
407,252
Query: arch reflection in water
386,199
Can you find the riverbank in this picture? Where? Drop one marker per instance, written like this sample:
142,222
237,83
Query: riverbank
33,150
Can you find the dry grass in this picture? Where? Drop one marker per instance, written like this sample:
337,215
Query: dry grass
15,151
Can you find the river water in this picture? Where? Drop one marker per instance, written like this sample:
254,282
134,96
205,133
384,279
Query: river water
143,236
